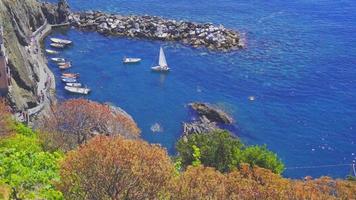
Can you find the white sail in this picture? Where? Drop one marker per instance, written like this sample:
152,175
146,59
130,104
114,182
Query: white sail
162,58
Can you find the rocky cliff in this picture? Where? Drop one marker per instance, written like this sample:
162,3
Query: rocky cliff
20,20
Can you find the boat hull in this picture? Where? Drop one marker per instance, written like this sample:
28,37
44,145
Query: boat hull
61,41
69,80
131,60
77,90
160,69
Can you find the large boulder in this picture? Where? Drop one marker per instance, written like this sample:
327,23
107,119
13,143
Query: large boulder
212,113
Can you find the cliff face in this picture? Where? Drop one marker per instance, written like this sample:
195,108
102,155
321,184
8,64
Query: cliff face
20,19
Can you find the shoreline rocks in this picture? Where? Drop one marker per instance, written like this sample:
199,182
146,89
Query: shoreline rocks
212,113
209,118
201,126
156,28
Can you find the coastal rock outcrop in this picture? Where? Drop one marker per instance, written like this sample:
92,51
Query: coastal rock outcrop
203,125
153,27
27,64
212,113
56,13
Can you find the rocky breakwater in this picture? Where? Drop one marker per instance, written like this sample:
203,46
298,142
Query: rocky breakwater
157,28
209,117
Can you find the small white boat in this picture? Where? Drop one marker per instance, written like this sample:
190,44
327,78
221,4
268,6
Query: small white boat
69,80
64,63
78,90
49,51
58,60
70,75
162,63
64,66
57,45
61,41
131,60
74,84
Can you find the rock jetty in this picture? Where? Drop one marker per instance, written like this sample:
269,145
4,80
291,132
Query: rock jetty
212,113
152,27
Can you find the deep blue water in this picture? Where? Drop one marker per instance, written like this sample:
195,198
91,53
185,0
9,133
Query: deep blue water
300,64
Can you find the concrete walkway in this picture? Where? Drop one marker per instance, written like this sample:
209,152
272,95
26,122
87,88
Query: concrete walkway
45,80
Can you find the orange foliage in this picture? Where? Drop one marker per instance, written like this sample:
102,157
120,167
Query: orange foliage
116,168
256,183
199,183
75,121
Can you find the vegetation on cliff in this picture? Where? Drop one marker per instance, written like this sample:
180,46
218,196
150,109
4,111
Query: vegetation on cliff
225,153
115,167
26,170
75,121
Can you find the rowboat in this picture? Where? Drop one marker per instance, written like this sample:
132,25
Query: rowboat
61,41
64,66
74,84
58,60
69,80
57,45
64,63
49,51
70,75
131,60
78,90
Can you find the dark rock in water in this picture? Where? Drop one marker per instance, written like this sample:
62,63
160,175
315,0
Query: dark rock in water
201,126
56,14
211,113
63,11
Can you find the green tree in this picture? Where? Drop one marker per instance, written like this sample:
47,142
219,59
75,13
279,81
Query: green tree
225,153
262,157
29,172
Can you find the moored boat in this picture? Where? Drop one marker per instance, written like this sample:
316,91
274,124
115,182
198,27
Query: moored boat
64,66
162,62
61,41
57,45
78,90
49,51
69,80
64,63
58,60
74,84
131,60
70,75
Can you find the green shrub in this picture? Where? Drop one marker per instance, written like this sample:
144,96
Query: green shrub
225,153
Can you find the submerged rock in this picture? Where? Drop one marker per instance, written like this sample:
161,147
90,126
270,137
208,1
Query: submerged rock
212,113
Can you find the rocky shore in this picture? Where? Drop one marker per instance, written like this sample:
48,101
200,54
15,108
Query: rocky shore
157,28
209,117
212,113
203,125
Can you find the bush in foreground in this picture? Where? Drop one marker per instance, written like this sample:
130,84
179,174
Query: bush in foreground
75,121
116,168
225,153
26,170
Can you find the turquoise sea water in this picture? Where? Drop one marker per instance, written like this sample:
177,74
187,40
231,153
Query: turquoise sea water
299,64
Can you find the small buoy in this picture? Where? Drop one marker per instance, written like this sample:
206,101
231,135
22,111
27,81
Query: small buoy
251,98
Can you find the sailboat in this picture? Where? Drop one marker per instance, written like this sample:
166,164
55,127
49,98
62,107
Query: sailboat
162,63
